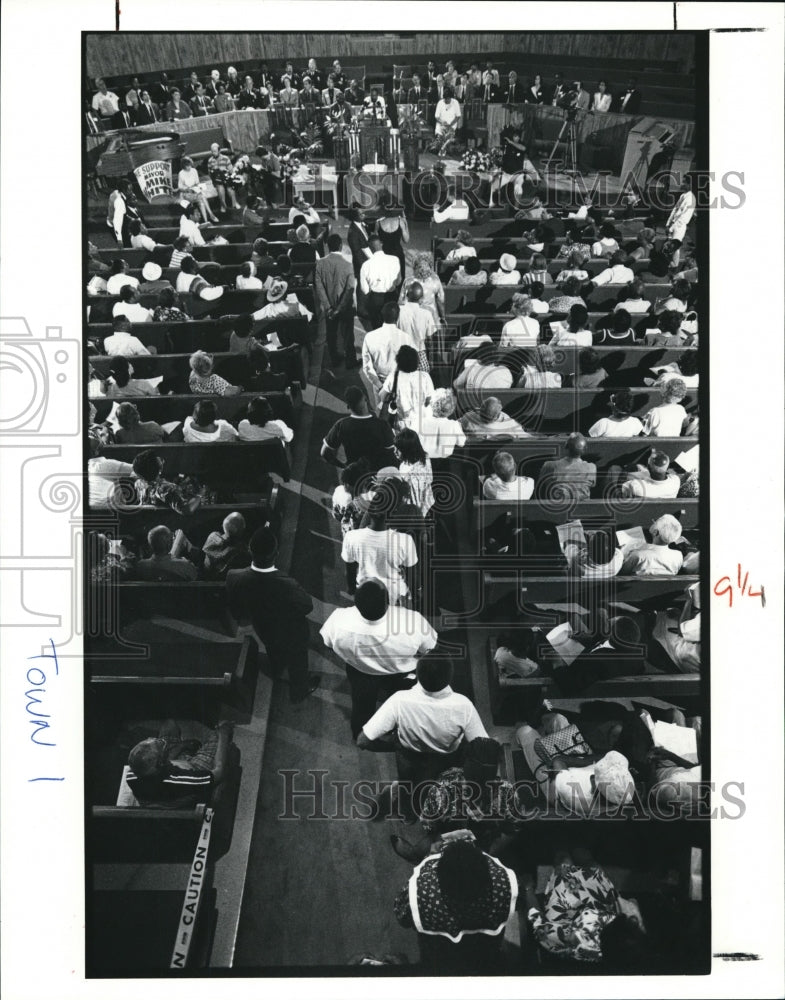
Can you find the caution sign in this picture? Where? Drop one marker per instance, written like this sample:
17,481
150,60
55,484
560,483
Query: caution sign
155,178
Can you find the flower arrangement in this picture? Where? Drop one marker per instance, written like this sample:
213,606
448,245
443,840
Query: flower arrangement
496,155
290,164
311,140
475,161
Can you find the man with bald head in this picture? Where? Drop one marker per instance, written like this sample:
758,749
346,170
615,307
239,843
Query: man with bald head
570,476
226,549
417,321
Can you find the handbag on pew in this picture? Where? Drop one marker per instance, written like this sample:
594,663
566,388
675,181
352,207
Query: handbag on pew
566,742
389,410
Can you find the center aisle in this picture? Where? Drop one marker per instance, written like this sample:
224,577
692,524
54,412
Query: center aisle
301,869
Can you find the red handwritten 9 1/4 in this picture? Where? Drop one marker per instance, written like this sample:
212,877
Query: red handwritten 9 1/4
724,587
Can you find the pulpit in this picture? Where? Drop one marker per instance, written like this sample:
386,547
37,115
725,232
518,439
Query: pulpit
375,146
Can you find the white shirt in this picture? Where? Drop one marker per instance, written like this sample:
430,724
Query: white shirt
665,421
461,253
311,215
457,211
523,331
505,278
652,560
682,213
272,429
640,484
380,555
142,242
288,307
633,306
102,476
123,344
629,427
223,432
448,114
479,376
379,350
390,645
243,283
380,273
427,721
190,229
606,245
520,488
135,312
439,436
418,322
107,104
568,338
618,274
413,389
117,281
602,102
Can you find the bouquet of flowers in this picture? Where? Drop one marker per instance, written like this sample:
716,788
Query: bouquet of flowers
476,161
311,140
496,156
290,164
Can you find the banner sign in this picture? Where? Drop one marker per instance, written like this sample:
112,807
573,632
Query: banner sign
155,178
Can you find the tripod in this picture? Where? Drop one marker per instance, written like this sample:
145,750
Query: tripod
570,127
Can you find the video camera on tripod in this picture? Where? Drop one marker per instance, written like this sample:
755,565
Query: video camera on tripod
569,103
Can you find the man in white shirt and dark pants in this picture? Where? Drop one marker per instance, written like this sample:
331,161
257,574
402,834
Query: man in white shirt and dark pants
379,646
380,276
379,350
428,725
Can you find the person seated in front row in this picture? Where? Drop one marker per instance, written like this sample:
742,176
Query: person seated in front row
469,272
488,421
657,557
620,423
540,375
172,773
505,483
163,566
203,425
261,425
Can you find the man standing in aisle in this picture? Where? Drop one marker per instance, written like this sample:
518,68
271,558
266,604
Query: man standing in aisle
378,645
277,606
380,276
379,350
334,290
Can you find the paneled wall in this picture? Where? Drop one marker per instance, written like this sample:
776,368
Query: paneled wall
128,52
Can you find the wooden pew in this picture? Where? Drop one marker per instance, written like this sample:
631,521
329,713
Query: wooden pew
496,299
223,274
183,661
136,524
619,513
232,302
489,258
562,411
503,225
245,464
499,584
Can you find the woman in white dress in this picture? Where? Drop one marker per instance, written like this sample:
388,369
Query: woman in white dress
191,189
413,388
204,426
260,424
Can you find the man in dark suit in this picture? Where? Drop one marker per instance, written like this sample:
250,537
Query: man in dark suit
159,92
189,90
429,77
489,94
334,290
201,105
628,102
558,90
277,606
514,92
338,74
416,92
316,75
122,118
146,113
248,96
309,94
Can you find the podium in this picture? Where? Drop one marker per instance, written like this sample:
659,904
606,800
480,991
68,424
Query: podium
375,146
644,141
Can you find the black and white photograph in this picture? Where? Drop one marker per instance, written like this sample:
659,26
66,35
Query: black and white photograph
401,628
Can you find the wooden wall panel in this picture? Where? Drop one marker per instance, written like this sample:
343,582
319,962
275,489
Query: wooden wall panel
128,53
